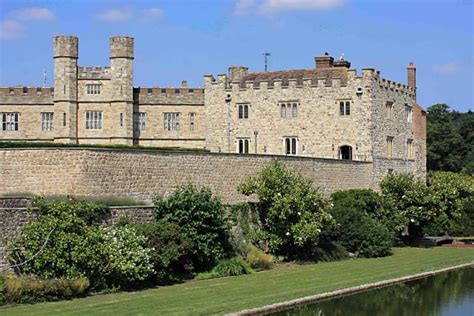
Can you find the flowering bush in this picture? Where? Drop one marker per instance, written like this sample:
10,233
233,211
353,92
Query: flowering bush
292,213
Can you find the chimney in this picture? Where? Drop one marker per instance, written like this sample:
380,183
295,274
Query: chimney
411,71
184,84
325,61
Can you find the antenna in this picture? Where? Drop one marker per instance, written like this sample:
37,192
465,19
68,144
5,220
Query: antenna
45,77
266,55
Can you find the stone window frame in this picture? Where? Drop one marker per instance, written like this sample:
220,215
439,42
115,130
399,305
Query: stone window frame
243,110
344,108
243,145
10,121
47,119
389,109
93,120
389,146
192,121
290,145
409,149
93,88
289,109
140,121
408,113
171,121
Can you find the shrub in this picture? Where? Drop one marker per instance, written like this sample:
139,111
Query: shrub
28,289
2,289
171,250
358,232
258,259
292,213
231,267
66,242
200,218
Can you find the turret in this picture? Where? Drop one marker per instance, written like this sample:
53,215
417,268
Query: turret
65,88
121,64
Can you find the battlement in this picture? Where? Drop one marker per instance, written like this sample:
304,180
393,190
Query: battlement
90,72
161,95
121,47
26,95
66,46
389,85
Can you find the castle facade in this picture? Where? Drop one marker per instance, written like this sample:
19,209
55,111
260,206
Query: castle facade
329,111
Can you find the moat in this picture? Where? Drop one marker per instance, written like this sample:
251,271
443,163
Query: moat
447,294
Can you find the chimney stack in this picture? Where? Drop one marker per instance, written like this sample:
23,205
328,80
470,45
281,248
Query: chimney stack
411,71
325,61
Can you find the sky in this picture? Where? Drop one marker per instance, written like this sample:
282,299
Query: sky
179,40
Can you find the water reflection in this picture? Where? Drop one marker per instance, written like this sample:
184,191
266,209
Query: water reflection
447,294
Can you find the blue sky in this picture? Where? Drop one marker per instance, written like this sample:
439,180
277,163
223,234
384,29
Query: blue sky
177,39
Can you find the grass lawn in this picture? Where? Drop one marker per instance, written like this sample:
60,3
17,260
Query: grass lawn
287,282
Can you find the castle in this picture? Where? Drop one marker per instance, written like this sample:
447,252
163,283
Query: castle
326,112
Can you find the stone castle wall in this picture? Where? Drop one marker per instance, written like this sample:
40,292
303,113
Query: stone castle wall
141,174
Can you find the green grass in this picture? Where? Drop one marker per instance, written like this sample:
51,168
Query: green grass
23,144
283,283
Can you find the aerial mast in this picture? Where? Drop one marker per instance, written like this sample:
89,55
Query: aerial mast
266,55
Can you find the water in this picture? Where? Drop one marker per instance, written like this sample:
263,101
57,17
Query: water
447,294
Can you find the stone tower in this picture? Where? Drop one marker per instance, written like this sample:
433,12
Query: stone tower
121,64
65,88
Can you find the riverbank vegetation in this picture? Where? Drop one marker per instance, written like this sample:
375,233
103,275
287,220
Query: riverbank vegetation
194,235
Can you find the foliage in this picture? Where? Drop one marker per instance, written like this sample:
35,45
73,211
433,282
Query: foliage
412,202
358,232
102,200
453,196
450,139
258,259
28,289
232,267
171,250
66,241
199,218
443,206
291,212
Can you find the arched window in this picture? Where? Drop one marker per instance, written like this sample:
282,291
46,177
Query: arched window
345,152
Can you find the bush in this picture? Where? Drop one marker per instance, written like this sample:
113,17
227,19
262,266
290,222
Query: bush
231,267
27,289
171,250
65,241
292,213
358,232
199,218
258,259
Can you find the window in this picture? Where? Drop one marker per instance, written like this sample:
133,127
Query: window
93,89
171,121
192,123
64,119
408,113
389,146
47,121
389,109
9,121
244,146
289,109
121,119
344,108
93,120
345,152
243,111
290,145
140,121
409,152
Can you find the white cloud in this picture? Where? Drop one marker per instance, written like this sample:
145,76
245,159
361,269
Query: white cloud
127,14
268,7
33,14
448,68
115,16
11,29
